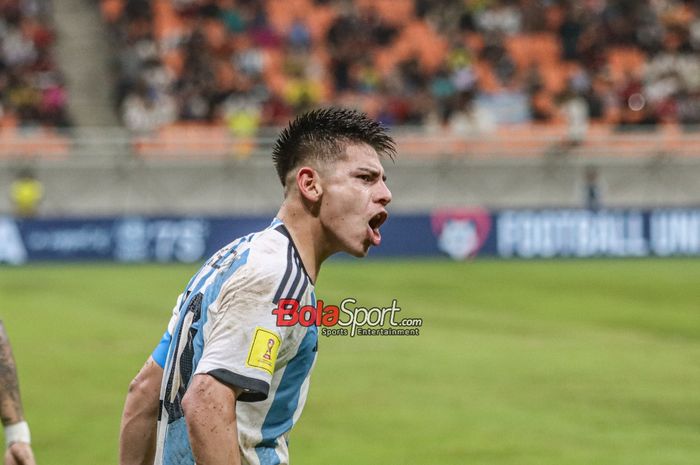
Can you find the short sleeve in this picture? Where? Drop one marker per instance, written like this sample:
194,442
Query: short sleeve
161,351
160,354
241,339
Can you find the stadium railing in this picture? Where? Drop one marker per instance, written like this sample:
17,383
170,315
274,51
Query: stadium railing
197,143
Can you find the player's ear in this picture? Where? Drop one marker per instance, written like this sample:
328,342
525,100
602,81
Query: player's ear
308,183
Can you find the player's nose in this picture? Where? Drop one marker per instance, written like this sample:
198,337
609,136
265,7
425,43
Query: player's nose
383,195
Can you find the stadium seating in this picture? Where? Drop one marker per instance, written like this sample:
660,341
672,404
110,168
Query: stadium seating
243,64
31,84
234,66
407,61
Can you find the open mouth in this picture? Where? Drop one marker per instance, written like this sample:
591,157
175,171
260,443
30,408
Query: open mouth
374,224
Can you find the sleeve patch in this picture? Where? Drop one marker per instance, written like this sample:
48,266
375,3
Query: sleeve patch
263,350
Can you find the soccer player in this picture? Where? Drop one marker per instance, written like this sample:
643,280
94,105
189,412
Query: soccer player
18,450
226,384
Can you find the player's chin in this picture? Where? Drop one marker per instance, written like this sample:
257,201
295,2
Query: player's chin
359,251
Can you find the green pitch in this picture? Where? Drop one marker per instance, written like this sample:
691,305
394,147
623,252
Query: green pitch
518,363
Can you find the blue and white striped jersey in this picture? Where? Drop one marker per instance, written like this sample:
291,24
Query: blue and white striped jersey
223,325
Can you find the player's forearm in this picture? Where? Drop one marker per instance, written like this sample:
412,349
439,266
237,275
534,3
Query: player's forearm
137,438
10,402
210,413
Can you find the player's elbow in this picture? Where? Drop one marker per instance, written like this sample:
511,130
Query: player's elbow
139,387
196,411
194,403
140,399
144,389
137,384
190,404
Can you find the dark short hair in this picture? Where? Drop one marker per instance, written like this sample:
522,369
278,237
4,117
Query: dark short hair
323,135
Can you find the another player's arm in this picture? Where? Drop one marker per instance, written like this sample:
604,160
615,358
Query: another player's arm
18,451
210,412
137,438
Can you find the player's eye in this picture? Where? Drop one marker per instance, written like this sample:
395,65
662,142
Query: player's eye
365,177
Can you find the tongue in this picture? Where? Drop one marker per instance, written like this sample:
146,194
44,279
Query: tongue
374,235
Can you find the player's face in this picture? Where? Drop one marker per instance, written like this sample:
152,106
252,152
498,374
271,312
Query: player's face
354,199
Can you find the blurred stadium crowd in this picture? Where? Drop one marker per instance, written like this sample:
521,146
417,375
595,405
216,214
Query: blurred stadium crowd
31,85
466,65
447,62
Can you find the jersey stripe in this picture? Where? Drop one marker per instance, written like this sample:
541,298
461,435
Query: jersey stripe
210,296
280,417
285,278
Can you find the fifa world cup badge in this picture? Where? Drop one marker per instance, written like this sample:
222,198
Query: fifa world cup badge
263,350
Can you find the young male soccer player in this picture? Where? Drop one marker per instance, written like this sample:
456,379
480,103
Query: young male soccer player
17,440
226,384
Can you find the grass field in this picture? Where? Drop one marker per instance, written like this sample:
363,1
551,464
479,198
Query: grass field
518,363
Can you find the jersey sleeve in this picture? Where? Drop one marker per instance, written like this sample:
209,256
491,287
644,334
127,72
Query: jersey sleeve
160,354
241,339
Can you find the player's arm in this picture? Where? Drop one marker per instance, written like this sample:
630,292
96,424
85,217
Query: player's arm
210,412
17,441
224,376
137,435
139,425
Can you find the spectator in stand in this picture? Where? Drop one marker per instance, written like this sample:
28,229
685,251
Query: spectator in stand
574,109
144,111
570,32
501,16
592,189
689,110
299,37
26,193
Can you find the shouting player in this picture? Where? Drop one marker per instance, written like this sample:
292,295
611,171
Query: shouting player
226,384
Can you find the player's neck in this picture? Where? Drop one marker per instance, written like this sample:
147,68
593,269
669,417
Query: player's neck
305,233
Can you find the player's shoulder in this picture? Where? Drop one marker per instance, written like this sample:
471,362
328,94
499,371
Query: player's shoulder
269,258
265,263
271,249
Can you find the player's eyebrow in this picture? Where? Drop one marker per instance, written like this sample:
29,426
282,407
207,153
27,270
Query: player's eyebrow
372,172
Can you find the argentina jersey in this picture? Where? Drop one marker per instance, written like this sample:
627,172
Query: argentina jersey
223,326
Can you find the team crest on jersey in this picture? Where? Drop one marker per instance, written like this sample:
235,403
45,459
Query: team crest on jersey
224,258
263,350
